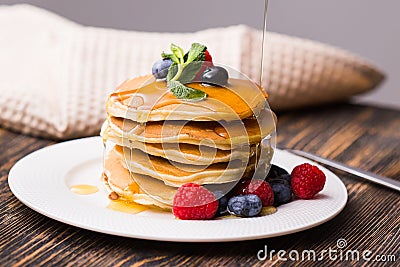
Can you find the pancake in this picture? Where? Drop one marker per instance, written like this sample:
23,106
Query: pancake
187,153
118,179
222,135
144,99
161,142
176,174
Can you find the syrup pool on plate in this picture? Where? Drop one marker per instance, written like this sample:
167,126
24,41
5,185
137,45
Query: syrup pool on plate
127,207
84,189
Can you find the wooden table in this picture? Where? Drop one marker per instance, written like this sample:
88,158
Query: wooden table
360,136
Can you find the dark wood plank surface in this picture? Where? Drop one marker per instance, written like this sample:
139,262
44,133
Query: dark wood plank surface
361,136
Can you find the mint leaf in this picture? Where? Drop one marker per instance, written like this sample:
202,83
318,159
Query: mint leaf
173,69
184,70
170,56
184,92
190,72
196,53
178,52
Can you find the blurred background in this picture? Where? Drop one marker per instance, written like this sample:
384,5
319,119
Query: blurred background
368,28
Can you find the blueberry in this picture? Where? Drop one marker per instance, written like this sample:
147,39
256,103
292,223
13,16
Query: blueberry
160,68
282,192
278,181
276,171
215,75
222,201
285,179
245,205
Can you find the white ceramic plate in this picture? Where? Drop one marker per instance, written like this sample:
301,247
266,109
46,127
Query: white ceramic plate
42,181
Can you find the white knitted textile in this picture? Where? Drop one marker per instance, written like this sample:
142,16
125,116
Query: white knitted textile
56,74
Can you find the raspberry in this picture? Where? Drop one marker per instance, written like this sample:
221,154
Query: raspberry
194,202
257,187
207,63
307,180
208,56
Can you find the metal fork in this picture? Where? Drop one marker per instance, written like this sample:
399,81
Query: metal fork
372,177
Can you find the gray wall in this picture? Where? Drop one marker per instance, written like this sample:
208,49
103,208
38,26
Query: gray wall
368,28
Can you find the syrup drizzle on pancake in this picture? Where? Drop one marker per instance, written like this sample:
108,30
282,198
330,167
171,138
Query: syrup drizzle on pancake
240,96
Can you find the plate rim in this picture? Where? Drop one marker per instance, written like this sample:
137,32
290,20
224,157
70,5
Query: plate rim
20,196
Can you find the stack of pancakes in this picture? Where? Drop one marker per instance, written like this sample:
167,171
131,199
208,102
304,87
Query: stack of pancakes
160,142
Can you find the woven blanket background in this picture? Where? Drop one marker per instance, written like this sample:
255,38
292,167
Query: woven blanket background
57,74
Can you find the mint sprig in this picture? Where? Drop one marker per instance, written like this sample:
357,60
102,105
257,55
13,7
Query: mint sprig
170,56
183,92
184,69
178,52
173,69
196,52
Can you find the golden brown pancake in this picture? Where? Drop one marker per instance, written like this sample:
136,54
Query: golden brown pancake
222,135
144,99
163,142
187,153
119,180
176,174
